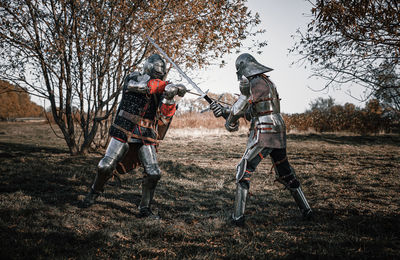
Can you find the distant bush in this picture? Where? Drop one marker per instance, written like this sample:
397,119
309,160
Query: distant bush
15,102
372,119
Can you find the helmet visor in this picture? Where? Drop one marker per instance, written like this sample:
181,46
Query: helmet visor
159,68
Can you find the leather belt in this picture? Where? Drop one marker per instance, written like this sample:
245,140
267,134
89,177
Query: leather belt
263,113
254,101
129,135
147,123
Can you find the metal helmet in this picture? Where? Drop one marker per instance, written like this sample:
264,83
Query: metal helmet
154,67
246,65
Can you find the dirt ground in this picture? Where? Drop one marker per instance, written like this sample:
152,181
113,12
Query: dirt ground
352,183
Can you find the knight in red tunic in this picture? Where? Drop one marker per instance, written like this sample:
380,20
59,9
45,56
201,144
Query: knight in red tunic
143,116
259,103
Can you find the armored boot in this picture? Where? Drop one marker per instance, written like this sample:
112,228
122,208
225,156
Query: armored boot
90,199
293,185
148,188
242,189
104,173
97,187
301,202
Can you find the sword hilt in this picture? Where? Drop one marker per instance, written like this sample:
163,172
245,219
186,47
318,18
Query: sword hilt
208,99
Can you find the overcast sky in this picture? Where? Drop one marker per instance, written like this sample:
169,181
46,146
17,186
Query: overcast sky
280,19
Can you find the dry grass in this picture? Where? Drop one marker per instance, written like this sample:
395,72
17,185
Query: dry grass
351,182
197,120
204,120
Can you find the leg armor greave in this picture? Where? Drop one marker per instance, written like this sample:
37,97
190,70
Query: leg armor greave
293,185
248,162
248,155
242,189
301,201
152,173
115,152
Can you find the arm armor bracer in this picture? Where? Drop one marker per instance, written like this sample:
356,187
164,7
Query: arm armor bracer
237,110
226,111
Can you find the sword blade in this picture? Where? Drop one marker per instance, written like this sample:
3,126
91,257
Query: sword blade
183,74
219,101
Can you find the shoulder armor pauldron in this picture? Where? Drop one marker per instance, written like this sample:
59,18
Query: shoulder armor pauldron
137,83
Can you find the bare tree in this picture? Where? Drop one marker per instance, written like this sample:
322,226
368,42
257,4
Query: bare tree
76,53
355,42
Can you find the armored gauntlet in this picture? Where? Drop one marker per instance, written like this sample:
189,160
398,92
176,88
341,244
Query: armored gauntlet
216,108
171,90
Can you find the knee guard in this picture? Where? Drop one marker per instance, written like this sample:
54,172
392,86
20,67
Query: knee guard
115,152
289,180
245,181
104,172
150,179
249,154
148,158
284,172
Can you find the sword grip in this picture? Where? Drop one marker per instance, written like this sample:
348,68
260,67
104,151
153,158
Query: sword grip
208,99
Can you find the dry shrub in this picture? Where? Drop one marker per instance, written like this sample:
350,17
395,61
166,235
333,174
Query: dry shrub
201,120
15,102
372,119
197,120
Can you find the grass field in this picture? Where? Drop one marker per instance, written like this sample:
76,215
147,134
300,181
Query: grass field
352,183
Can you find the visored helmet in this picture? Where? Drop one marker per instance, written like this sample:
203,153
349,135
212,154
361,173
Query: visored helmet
155,67
246,65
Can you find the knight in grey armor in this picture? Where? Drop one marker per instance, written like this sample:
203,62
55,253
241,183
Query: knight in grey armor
259,102
142,118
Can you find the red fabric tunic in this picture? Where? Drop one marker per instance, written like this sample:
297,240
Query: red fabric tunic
157,86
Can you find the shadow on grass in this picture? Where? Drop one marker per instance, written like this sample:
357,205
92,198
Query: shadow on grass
349,139
55,243
354,234
15,148
49,174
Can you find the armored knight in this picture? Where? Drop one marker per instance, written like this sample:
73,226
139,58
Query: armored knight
143,116
259,103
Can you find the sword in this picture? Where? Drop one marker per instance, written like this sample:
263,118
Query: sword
219,101
201,92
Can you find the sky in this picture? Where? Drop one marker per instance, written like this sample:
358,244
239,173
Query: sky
280,19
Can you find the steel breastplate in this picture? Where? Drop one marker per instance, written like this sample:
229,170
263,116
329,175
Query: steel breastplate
265,108
269,104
